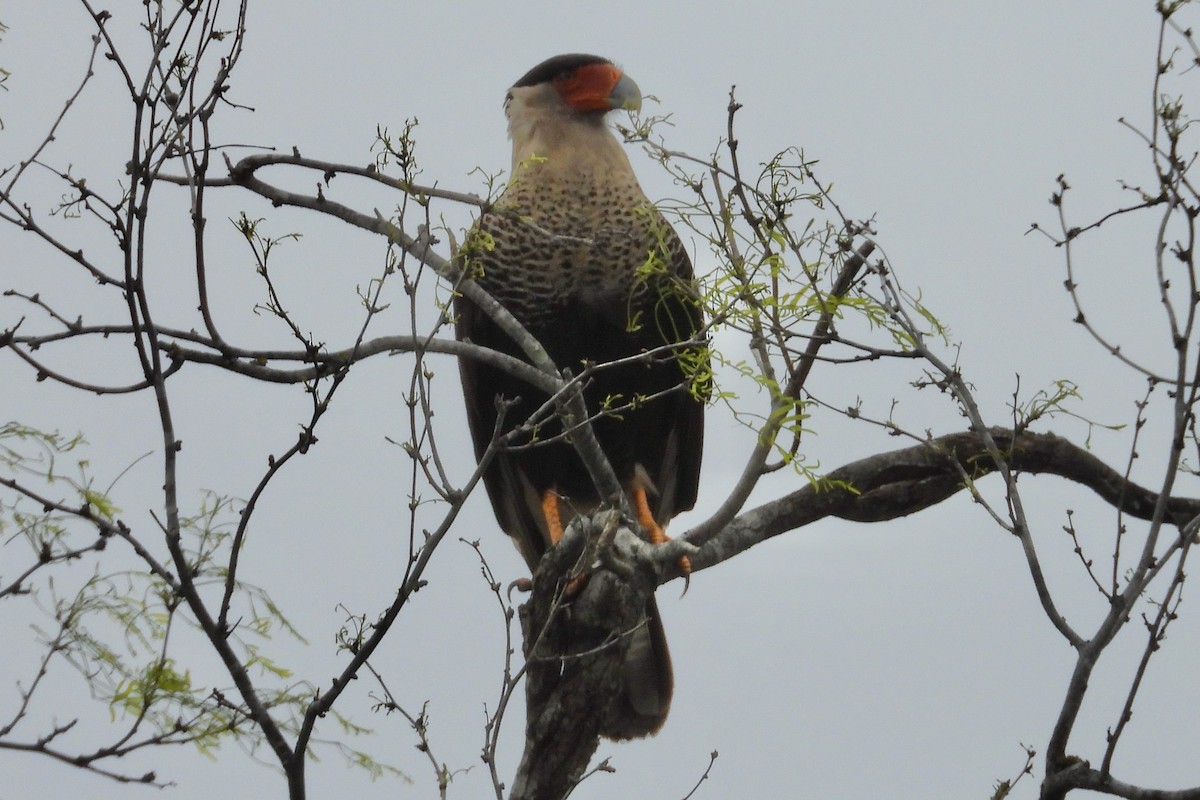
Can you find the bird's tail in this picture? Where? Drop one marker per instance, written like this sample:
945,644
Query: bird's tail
649,682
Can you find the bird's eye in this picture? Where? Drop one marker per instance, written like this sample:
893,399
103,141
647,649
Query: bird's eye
565,75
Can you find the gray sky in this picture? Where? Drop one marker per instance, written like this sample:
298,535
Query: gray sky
909,659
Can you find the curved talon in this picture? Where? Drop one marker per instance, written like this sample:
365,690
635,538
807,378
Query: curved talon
521,584
685,567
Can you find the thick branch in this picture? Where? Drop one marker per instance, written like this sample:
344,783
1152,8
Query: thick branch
1082,776
901,482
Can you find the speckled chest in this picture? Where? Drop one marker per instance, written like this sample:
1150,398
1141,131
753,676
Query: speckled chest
559,241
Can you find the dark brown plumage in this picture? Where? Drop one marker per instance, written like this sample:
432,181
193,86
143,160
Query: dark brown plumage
576,252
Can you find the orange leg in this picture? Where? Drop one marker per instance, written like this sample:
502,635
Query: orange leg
554,529
657,534
554,526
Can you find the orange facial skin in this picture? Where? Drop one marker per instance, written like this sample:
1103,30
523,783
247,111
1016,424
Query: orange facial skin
589,88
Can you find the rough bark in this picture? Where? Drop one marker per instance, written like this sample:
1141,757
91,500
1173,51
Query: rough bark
588,595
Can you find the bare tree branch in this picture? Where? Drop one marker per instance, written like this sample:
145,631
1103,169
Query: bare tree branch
901,482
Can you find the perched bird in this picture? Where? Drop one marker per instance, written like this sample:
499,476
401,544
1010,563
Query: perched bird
575,251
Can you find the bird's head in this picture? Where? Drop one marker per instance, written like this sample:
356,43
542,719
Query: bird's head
574,84
563,101
556,116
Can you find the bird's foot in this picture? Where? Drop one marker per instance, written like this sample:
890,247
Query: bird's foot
657,534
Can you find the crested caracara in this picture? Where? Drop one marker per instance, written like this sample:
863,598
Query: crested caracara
578,254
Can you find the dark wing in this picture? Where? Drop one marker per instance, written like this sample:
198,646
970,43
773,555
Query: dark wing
515,500
674,464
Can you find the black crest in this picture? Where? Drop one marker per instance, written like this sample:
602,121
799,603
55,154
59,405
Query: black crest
552,68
